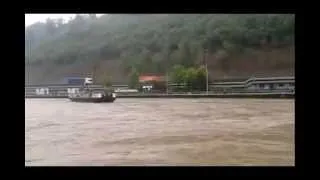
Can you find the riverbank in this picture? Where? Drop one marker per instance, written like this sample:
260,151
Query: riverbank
229,95
235,95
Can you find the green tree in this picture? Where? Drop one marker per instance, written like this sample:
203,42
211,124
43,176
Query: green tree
178,74
187,58
51,26
134,78
107,80
200,80
192,78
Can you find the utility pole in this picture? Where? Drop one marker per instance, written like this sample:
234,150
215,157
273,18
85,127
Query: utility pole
94,72
167,74
167,78
207,73
28,62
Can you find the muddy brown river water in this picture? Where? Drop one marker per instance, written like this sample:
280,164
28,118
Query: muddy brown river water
160,132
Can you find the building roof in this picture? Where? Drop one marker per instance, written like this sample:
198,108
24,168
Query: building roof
144,78
74,77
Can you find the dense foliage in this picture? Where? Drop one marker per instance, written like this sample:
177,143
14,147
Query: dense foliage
134,78
107,81
153,43
188,78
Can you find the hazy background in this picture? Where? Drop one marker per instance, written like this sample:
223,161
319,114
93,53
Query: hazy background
34,18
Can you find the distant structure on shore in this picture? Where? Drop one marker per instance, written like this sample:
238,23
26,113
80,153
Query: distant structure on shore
252,85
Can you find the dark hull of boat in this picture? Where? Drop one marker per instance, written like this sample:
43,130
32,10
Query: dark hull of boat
93,100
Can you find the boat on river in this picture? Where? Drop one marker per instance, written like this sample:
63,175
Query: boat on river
93,96
87,94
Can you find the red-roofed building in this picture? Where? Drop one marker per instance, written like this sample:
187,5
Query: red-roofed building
153,82
150,78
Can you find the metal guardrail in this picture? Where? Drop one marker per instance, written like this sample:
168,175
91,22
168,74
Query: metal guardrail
65,92
221,87
291,92
204,95
265,80
251,83
254,79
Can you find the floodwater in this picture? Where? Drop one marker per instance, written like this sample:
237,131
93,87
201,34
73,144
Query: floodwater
160,132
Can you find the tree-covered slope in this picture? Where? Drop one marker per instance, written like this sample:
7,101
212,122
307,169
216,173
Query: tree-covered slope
155,43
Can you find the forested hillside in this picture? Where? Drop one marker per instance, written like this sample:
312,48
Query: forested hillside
119,45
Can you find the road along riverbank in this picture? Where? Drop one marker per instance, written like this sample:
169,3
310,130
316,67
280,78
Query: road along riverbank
211,95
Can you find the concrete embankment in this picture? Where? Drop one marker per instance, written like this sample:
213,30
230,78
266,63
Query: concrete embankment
235,95
44,97
229,95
